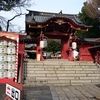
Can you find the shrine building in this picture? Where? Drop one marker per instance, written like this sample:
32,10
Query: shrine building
45,25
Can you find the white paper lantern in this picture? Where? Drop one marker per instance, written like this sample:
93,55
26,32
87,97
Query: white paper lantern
11,50
11,73
43,43
74,45
3,49
3,57
11,58
3,65
11,65
3,73
3,42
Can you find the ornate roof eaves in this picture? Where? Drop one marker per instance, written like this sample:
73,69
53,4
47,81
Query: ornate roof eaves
71,17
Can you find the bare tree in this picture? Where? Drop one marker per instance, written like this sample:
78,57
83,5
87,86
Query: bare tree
8,22
12,5
2,23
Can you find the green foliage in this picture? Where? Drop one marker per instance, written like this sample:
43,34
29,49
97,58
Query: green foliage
94,31
53,46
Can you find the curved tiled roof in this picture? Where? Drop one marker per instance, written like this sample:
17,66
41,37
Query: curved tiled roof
41,17
88,40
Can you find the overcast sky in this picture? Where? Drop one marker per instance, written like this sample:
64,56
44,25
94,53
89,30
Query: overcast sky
67,7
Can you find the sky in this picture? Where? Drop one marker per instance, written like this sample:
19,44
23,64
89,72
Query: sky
54,6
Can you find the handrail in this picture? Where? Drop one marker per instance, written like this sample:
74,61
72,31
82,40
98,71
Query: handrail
98,57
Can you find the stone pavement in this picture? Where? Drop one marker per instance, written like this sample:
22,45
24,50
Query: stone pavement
2,91
75,93
37,93
85,92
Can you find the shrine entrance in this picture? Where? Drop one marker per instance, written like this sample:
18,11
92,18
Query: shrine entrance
43,25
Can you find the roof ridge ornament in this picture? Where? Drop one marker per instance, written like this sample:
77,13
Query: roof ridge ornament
60,12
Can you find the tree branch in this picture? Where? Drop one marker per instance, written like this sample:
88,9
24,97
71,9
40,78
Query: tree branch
11,20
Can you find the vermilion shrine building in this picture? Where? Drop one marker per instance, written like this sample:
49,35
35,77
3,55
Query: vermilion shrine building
40,25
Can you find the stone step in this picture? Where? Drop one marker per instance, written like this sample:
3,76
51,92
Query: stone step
60,61
30,65
60,72
64,75
75,64
61,66
62,81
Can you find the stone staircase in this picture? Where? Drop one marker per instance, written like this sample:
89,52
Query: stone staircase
58,72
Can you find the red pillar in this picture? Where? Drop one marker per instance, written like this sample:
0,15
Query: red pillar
21,58
39,49
64,48
71,57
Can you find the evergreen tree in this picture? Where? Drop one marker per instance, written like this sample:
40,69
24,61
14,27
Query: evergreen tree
53,46
94,31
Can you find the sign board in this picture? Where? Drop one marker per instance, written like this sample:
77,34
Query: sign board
12,92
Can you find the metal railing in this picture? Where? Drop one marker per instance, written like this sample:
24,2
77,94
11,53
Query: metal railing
98,57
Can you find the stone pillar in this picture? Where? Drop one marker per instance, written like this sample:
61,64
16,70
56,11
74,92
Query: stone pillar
39,56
